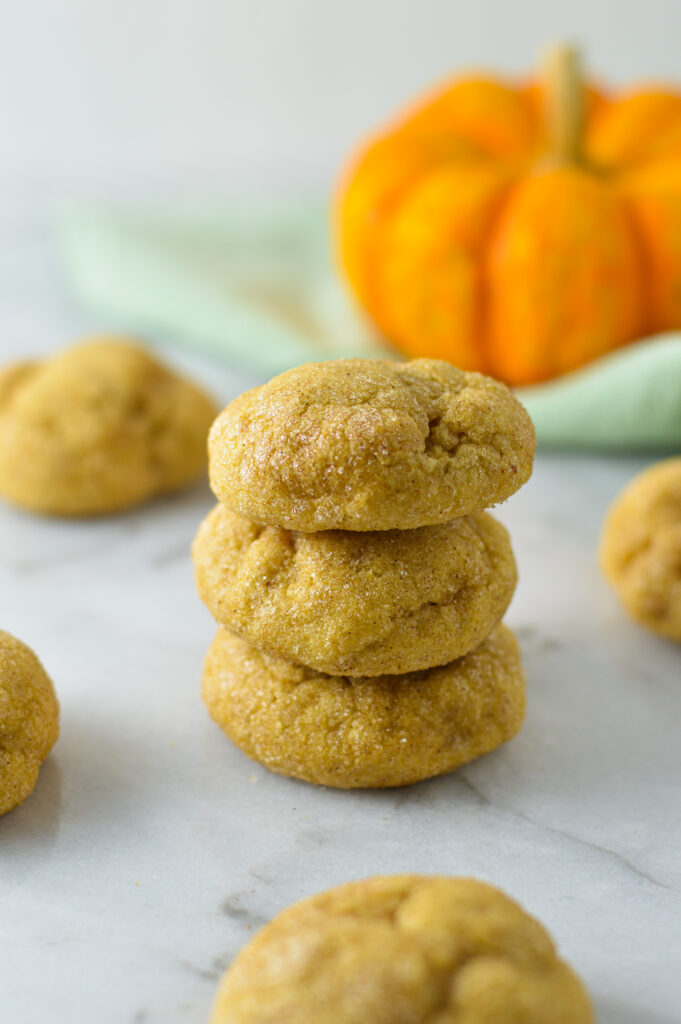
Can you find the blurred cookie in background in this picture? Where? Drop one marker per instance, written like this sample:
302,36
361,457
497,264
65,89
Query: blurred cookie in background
640,549
98,427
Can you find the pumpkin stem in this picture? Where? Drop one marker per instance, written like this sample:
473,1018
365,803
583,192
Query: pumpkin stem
564,103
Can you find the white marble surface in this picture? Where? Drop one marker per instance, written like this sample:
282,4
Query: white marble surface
152,848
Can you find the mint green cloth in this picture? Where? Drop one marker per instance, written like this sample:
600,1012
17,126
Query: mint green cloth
257,286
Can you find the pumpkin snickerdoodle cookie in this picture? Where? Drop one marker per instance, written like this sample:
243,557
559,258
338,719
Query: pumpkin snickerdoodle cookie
376,603
361,444
640,551
411,949
98,427
29,720
379,731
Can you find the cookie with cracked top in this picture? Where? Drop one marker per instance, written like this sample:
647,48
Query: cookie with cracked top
370,603
413,949
361,732
361,444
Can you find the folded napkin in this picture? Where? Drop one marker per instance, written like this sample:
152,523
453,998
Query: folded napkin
257,286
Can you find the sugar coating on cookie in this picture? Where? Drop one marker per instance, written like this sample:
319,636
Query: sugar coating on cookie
29,720
640,551
98,427
361,732
409,948
341,602
361,444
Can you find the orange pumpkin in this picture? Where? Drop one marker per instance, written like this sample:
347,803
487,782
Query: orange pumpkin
519,230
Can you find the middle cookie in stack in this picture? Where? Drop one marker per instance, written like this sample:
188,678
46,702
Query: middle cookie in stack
364,655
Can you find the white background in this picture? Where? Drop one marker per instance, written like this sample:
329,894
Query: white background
235,93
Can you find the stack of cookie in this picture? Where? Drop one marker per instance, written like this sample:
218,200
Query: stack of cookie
358,582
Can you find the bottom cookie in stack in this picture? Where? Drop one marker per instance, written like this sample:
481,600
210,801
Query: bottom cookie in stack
362,732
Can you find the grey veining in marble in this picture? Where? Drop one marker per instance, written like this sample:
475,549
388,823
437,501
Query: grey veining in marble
151,848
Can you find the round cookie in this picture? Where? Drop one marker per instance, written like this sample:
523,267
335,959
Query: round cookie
640,550
361,604
355,732
29,720
412,949
96,428
362,444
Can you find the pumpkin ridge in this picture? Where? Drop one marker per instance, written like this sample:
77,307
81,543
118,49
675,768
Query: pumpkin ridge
646,271
629,131
654,212
384,202
454,252
398,200
488,363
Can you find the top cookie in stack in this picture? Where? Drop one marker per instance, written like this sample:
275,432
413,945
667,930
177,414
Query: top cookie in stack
360,444
352,557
